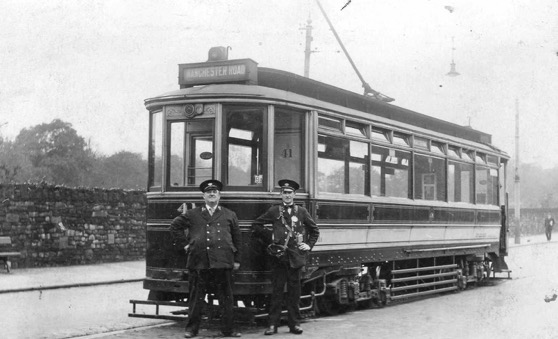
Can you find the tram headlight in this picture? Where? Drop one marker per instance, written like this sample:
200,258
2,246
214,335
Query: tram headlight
218,53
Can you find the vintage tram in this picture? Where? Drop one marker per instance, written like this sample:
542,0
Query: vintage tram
407,205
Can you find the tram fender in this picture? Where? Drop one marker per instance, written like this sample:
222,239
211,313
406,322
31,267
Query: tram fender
498,263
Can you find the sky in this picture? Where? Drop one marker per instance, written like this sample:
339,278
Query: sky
93,63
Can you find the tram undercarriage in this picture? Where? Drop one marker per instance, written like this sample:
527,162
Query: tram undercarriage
336,289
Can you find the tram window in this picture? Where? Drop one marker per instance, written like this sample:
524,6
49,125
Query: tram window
400,139
486,186
430,178
288,148
480,158
176,166
470,155
331,164
358,168
380,134
454,152
329,123
438,148
390,172
244,146
492,160
353,128
190,152
156,151
421,143
460,182
342,166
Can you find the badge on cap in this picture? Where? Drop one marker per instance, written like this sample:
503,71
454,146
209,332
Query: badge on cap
211,184
289,184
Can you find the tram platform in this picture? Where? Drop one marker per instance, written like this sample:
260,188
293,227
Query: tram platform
30,279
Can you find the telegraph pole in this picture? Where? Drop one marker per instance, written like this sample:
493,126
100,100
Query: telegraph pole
308,50
517,195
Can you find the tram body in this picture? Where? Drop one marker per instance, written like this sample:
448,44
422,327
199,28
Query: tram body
406,204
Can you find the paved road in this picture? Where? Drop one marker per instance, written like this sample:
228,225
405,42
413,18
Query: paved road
75,312
504,308
69,312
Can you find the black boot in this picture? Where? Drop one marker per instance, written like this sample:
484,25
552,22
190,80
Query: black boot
271,330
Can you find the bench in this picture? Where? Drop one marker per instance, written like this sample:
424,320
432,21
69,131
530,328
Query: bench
5,246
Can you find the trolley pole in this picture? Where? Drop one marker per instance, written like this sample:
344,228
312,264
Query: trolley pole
517,195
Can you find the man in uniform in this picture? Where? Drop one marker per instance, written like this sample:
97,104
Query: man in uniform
292,233
211,244
548,224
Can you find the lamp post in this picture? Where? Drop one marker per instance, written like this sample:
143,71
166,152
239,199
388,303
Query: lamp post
517,195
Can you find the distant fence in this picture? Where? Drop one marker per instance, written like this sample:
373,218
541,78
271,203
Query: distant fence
59,226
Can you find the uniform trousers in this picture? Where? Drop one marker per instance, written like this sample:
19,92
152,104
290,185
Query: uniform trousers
283,274
200,281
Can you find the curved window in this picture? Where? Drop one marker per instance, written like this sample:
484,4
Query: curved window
156,151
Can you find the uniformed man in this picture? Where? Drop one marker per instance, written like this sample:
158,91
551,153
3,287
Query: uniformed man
211,244
289,227
548,224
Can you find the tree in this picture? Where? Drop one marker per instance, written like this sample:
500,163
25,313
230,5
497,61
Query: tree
123,170
56,153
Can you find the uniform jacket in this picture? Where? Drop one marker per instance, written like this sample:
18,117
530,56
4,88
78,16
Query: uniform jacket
548,222
214,241
272,227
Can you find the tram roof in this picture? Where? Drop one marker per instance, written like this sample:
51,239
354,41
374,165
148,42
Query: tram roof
304,86
293,83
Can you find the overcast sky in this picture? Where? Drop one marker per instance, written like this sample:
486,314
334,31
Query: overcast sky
92,63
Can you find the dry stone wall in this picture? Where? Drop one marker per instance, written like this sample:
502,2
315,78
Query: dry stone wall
60,226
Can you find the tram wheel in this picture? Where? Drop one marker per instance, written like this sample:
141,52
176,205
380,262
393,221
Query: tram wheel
327,306
381,301
366,304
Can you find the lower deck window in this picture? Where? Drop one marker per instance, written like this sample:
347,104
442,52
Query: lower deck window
486,186
460,182
390,172
430,178
342,166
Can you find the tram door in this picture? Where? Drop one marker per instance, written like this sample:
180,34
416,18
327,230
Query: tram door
190,152
288,148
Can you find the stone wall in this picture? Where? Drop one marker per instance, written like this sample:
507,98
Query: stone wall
59,226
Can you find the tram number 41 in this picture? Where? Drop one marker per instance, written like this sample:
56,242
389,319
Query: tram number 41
287,153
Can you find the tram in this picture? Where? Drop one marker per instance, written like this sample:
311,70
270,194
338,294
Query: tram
407,204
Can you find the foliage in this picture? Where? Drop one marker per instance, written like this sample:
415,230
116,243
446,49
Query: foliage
123,170
54,153
538,186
